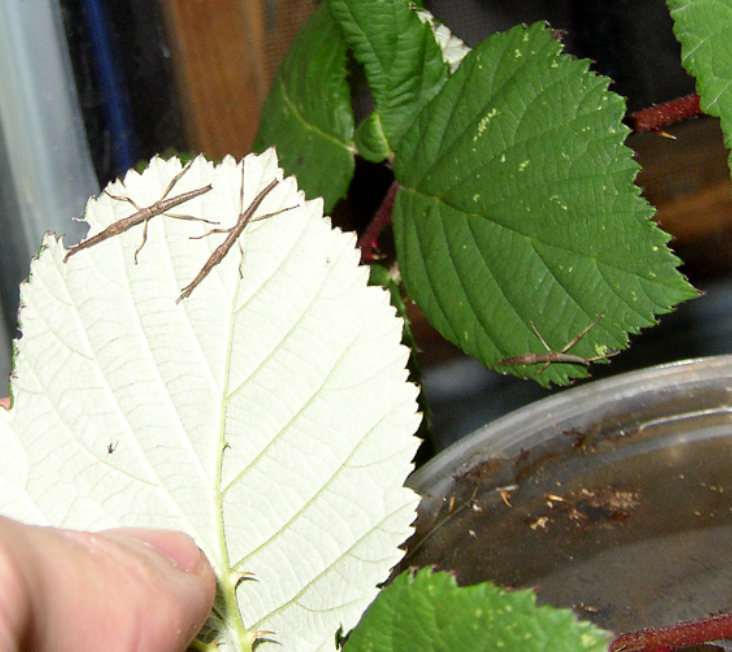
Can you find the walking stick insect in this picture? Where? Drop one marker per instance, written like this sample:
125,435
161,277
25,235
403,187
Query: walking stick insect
144,215
553,357
233,233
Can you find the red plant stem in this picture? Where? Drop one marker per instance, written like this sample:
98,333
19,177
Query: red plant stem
666,639
666,114
369,241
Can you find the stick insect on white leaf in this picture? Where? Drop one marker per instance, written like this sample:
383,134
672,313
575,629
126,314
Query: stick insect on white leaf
144,215
232,234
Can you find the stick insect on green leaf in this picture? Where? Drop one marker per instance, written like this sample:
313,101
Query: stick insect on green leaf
553,357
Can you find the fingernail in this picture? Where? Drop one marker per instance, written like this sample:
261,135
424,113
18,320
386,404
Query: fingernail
178,547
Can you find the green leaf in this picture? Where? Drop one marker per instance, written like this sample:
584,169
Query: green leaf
704,29
371,141
402,60
267,415
518,218
308,115
428,612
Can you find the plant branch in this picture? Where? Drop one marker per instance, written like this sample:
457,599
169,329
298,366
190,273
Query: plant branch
368,243
674,637
663,115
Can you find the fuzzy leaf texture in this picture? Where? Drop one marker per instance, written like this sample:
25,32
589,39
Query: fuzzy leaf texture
518,216
704,29
428,612
267,415
402,60
308,115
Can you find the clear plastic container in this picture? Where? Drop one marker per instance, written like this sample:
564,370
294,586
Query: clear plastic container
614,498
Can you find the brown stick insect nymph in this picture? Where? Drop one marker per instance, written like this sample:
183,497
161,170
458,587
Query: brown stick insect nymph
233,233
553,357
144,215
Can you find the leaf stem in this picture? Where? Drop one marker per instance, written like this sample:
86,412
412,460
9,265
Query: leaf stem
368,243
674,637
663,115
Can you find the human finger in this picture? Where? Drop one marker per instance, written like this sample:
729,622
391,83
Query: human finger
121,590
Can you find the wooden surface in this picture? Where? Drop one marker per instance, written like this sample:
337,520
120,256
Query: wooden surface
226,53
687,180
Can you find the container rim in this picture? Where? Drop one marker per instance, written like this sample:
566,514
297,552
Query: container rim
577,407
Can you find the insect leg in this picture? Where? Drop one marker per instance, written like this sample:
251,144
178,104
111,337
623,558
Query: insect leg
189,217
582,333
144,239
123,198
176,178
545,366
208,233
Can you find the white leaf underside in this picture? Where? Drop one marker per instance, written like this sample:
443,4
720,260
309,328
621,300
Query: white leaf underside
453,48
268,414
